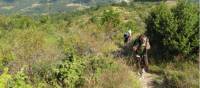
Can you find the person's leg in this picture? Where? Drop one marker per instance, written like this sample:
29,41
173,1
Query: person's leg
142,64
146,63
138,58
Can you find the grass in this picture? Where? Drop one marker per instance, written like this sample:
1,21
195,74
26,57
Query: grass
122,76
40,44
177,74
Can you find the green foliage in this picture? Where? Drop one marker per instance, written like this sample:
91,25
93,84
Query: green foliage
187,16
110,17
4,77
161,27
19,81
104,72
177,74
99,65
17,22
96,20
129,25
27,46
69,72
22,22
173,31
75,71
76,50
149,0
65,50
180,76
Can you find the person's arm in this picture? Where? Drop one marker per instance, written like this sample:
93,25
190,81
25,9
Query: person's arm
135,45
129,38
148,46
135,48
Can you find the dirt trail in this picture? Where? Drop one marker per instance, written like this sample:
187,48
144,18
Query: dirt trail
147,81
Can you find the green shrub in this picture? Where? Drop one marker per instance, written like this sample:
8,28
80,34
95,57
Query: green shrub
4,78
174,31
181,75
84,72
149,0
18,22
68,73
25,47
104,72
131,24
161,26
19,80
185,42
42,75
41,42
99,65
110,18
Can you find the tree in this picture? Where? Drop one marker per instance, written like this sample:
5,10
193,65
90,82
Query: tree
186,15
174,32
161,28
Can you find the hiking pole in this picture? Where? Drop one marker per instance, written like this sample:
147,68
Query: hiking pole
146,57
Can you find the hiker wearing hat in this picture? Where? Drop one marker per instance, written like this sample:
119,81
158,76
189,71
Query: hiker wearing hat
140,47
127,37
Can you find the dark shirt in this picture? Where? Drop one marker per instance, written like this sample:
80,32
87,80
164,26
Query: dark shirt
140,47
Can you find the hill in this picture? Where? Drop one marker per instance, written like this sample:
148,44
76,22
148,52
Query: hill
85,49
32,7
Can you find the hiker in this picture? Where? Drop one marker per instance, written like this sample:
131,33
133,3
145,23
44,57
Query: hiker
127,37
140,47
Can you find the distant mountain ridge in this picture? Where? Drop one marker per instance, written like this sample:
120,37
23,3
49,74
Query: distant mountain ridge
48,6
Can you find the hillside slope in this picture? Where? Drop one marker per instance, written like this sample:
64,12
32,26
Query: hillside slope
83,49
68,50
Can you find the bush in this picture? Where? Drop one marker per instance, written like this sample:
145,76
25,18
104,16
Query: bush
99,65
4,77
181,74
109,19
110,16
103,72
174,31
40,44
161,26
18,22
131,24
68,73
185,42
20,47
85,72
19,81
178,75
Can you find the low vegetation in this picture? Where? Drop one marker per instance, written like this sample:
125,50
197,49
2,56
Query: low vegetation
85,49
